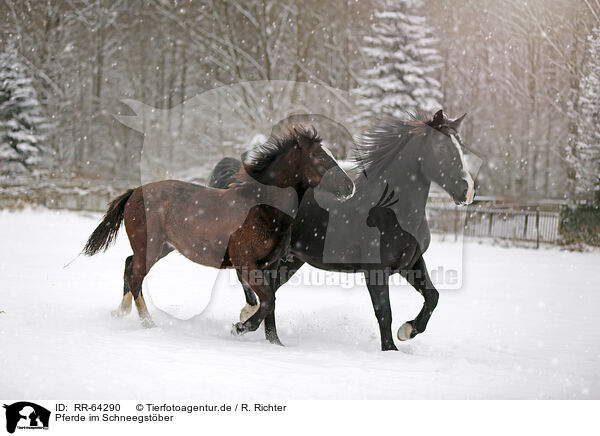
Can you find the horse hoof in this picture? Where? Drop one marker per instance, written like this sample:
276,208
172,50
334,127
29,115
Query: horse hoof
247,311
405,332
238,329
119,313
275,341
147,323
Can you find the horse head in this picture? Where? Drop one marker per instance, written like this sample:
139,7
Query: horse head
442,158
298,160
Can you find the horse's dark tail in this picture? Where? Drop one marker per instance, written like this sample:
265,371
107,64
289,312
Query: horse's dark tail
106,232
224,173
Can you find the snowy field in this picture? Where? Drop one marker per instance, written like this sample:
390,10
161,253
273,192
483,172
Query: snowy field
525,324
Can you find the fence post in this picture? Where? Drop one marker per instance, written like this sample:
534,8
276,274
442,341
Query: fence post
537,227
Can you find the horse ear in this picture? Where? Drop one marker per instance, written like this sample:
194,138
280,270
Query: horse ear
456,123
300,136
438,118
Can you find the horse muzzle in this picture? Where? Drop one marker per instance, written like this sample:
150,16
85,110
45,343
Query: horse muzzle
467,195
338,183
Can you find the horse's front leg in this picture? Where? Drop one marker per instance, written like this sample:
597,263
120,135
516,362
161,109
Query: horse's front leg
251,303
252,307
259,284
418,277
377,283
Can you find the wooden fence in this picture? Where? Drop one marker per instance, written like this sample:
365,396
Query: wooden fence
537,226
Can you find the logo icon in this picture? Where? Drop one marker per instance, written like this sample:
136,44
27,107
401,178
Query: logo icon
26,415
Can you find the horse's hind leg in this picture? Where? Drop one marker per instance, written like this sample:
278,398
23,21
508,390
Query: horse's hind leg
142,309
125,306
141,265
285,271
134,283
377,284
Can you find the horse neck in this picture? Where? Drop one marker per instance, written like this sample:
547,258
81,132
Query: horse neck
404,177
277,188
411,188
281,177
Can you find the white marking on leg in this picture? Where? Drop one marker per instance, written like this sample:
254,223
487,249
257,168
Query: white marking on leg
147,321
247,311
125,306
404,332
466,176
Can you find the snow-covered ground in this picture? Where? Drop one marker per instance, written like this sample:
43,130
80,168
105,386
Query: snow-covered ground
524,325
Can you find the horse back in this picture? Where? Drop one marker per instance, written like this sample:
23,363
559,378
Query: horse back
199,221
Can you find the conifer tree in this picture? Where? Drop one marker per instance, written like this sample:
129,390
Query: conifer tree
20,120
400,50
584,157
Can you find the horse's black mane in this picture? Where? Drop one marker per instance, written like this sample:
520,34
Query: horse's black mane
257,160
388,136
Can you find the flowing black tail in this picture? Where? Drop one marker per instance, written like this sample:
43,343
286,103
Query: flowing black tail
106,232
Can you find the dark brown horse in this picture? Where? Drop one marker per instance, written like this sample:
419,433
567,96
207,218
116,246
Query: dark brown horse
246,227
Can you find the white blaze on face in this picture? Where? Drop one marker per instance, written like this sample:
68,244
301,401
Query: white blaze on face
466,176
330,154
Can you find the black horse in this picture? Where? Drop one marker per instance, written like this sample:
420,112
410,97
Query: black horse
376,232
